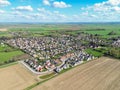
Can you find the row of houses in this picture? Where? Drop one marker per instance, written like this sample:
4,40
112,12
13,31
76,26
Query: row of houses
69,60
76,59
116,43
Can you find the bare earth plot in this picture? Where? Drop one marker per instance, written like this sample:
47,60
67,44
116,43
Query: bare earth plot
15,77
102,74
3,29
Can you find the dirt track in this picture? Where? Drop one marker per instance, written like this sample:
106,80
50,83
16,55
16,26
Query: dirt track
15,77
102,74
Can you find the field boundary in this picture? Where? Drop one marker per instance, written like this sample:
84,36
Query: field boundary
10,64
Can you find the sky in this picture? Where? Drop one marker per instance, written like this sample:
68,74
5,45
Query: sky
59,10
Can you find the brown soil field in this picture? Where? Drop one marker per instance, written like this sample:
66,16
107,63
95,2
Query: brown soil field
16,77
100,74
3,29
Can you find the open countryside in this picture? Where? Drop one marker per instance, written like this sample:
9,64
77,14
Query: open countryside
100,74
16,77
59,44
39,56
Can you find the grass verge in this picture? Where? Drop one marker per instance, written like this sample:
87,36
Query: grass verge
6,65
47,76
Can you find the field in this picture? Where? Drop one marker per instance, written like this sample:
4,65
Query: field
8,53
94,53
15,77
5,56
102,29
101,74
3,29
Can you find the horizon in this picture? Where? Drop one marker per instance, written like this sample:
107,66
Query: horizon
59,11
60,22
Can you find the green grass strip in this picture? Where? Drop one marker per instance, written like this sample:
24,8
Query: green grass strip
47,76
6,65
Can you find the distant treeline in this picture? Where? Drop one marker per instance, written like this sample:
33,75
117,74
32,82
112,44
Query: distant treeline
95,29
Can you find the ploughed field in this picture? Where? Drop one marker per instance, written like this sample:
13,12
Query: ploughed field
15,77
101,74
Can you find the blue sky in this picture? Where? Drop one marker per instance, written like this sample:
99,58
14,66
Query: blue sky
59,10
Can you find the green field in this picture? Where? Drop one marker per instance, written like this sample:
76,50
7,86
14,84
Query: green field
45,29
5,56
7,53
94,52
102,29
5,34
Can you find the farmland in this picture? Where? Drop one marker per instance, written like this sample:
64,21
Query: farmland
101,74
59,49
102,29
5,56
16,77
93,52
7,53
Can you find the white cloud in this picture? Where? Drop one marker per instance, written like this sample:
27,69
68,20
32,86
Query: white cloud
47,15
1,11
107,6
116,8
4,3
60,4
104,11
26,16
44,11
23,8
46,2
41,9
56,4
114,2
93,16
17,13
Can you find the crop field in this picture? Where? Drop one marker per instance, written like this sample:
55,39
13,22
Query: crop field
100,29
7,53
46,29
15,77
100,74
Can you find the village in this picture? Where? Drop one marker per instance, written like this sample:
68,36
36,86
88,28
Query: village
59,45
52,53
57,53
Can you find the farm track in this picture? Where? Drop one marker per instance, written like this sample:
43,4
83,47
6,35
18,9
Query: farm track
101,74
